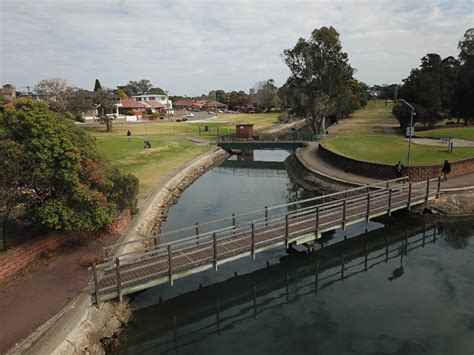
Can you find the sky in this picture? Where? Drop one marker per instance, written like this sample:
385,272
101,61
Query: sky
192,47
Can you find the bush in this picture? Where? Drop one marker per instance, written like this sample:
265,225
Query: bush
124,191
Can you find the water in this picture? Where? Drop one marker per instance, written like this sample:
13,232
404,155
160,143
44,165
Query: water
397,286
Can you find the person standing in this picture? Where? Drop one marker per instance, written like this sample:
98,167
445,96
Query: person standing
399,169
129,135
446,170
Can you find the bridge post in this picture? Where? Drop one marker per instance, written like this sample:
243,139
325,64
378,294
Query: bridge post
427,190
344,204
119,280
439,187
287,230
389,202
366,256
233,223
317,220
197,232
252,247
388,183
266,216
170,265
434,234
342,266
409,196
214,238
96,284
367,217
387,241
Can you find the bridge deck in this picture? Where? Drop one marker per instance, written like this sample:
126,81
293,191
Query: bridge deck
165,262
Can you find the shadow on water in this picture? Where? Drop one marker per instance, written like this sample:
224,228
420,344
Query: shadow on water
214,310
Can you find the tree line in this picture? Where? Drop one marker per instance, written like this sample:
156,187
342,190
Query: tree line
440,88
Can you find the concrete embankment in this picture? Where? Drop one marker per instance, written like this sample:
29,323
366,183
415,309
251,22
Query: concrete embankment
82,327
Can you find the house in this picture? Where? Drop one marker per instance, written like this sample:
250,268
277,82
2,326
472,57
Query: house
183,104
214,106
9,93
154,106
199,104
131,107
162,99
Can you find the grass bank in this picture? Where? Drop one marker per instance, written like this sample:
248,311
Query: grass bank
466,133
388,149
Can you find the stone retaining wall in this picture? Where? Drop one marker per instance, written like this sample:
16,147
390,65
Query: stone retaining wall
383,171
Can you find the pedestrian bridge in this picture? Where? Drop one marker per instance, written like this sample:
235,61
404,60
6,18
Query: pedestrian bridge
186,251
250,144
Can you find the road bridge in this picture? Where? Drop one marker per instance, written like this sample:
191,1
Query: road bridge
241,144
186,251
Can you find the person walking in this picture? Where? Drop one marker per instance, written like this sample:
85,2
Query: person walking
399,169
446,170
129,135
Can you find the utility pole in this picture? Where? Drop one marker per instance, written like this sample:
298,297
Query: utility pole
410,129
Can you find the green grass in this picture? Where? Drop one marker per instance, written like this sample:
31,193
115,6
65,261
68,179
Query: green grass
466,133
387,149
148,165
370,120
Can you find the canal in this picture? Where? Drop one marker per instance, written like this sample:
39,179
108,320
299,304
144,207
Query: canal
399,285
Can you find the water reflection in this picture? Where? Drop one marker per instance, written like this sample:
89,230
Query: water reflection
204,316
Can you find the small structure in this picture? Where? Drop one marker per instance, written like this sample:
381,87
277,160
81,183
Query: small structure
244,131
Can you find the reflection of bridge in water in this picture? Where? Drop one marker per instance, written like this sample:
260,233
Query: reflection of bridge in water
220,307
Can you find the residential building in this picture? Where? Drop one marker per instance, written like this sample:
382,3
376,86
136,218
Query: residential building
162,99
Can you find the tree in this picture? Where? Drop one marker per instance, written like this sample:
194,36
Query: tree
105,102
267,96
140,87
157,91
55,92
68,183
238,100
464,87
319,71
79,102
14,186
97,85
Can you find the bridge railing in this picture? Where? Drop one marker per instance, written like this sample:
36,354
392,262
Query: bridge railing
266,212
211,247
353,207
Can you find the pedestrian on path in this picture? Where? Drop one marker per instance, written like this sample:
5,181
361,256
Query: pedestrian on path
446,170
129,135
399,169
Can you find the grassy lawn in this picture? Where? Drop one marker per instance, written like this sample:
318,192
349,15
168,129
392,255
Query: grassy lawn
148,165
370,120
388,149
466,133
171,147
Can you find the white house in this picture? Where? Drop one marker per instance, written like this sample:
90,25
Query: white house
162,99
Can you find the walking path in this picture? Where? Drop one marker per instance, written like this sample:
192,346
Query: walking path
439,143
312,161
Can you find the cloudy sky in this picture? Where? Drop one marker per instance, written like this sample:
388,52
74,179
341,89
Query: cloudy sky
191,47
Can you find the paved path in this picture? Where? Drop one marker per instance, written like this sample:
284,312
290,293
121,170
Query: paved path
313,162
36,294
439,143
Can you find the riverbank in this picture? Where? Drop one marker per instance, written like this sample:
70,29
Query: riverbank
82,326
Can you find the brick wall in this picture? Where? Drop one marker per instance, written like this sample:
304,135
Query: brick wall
383,171
20,257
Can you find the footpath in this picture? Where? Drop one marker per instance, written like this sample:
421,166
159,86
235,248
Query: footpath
313,162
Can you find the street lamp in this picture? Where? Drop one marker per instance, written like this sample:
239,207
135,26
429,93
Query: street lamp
410,129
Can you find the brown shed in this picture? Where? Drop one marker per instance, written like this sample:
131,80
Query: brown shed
244,130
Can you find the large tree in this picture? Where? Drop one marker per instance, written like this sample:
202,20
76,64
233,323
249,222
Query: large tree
139,87
464,88
319,71
68,184
266,96
55,92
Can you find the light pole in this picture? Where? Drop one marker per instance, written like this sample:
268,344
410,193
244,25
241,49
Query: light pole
410,129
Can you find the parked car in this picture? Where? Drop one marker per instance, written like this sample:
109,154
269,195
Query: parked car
252,111
181,119
190,114
220,111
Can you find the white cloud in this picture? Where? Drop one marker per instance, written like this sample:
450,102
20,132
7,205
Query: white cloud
191,47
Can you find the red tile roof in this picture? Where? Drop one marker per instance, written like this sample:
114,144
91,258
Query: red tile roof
154,103
183,102
129,103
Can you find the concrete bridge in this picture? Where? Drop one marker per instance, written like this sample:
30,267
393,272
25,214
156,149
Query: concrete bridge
200,247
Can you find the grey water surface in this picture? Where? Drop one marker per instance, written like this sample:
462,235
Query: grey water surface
398,285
